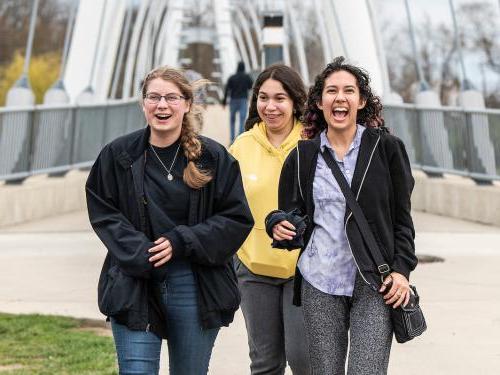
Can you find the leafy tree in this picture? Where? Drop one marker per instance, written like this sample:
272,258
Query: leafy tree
43,72
52,19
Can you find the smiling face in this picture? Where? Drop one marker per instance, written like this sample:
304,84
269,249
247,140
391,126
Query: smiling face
275,107
341,100
165,119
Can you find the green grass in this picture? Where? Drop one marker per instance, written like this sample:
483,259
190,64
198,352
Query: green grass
37,344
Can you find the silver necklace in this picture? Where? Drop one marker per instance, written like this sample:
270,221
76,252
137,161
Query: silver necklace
170,177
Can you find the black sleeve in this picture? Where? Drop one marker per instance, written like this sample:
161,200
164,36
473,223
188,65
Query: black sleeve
405,259
289,196
289,190
128,245
215,240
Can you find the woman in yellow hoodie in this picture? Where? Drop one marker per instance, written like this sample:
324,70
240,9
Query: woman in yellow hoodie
275,326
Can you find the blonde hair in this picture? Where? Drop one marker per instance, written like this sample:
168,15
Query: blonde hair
193,176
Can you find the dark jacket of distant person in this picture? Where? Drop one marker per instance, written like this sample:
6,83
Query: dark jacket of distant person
238,84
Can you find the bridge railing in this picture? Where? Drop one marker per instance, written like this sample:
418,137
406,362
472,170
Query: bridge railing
449,139
43,139
55,139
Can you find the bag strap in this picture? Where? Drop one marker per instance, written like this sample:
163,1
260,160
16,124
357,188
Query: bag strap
357,212
298,172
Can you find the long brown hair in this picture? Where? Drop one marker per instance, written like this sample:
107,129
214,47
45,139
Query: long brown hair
370,115
193,176
291,82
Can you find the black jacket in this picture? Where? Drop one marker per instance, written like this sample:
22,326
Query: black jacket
238,84
219,221
384,181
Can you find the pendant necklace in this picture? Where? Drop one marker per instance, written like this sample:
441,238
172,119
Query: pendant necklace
170,177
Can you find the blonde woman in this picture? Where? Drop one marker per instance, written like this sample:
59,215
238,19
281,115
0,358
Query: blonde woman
170,208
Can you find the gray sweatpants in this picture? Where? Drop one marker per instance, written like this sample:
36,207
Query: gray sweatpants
328,320
275,326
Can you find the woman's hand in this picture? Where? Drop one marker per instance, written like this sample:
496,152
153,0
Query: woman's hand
284,230
163,250
399,290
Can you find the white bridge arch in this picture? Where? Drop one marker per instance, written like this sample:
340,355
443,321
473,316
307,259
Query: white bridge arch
115,42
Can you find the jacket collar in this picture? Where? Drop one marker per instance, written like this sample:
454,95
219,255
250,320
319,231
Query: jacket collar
368,142
135,147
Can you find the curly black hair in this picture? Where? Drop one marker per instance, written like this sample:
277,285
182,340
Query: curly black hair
292,83
369,115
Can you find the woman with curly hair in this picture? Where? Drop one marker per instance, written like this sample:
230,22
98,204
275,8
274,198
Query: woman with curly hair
337,282
170,208
275,326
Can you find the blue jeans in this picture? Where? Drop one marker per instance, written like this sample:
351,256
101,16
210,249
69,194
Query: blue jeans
237,105
189,346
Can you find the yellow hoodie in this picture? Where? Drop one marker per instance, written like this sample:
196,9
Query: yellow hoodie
261,164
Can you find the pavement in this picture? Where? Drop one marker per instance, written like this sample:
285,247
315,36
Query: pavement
52,266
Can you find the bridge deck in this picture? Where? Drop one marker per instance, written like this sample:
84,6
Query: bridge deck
52,266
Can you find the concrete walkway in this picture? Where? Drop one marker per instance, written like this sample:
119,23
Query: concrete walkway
52,266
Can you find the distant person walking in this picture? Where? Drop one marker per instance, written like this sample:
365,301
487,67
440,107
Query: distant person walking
237,88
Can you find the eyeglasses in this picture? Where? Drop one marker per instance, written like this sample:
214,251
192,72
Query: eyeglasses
173,99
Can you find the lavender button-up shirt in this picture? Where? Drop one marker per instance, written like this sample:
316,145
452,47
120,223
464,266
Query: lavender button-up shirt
327,262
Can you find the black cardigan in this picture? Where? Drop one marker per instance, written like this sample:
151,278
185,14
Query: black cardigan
384,181
219,221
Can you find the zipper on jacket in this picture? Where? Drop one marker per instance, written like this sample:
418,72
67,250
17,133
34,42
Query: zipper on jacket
140,198
350,214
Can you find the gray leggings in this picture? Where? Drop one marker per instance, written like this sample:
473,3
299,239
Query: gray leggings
275,326
328,320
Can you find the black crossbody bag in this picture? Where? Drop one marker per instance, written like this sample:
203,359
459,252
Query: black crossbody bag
408,322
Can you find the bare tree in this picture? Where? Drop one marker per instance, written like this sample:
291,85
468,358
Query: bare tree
479,37
480,31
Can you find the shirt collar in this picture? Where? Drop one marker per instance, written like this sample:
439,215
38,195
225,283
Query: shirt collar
356,142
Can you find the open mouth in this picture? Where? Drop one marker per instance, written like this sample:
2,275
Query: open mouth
162,117
340,114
